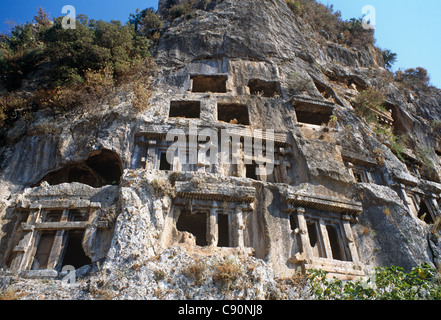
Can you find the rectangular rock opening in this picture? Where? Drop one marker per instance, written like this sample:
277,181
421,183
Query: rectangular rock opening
424,213
315,118
251,170
223,231
196,224
233,113
185,109
209,83
268,89
53,215
164,165
78,215
74,253
312,111
336,245
293,222
360,175
315,239
44,248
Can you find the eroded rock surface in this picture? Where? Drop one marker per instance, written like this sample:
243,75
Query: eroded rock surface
338,198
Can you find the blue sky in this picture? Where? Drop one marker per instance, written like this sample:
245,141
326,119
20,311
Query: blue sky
409,28
22,11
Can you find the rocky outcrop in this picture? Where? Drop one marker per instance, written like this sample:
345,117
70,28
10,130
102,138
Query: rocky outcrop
337,198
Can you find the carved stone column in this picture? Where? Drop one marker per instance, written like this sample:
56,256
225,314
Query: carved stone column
304,237
350,240
59,242
238,236
212,227
23,252
152,156
325,237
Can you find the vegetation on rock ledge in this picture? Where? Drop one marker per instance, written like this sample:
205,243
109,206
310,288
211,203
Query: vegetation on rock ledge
387,283
43,65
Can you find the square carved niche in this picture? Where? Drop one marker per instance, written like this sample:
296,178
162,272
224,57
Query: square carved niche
209,83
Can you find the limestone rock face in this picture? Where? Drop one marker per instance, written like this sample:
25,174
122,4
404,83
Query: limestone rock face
98,189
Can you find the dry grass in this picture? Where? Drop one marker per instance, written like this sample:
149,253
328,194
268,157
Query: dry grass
298,280
163,187
103,294
378,153
10,294
196,271
436,225
228,272
99,87
365,230
142,95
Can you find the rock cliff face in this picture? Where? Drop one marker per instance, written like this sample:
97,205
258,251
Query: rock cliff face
96,190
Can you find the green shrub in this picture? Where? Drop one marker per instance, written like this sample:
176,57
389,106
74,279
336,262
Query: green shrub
366,102
389,58
330,24
387,283
428,170
183,9
423,155
413,78
79,66
92,45
42,18
397,143
151,23
295,6
147,22
355,34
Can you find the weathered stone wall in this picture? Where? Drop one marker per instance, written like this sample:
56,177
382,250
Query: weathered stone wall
242,40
